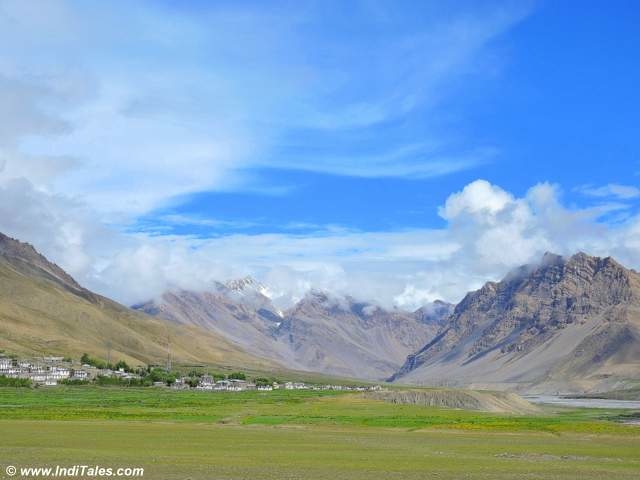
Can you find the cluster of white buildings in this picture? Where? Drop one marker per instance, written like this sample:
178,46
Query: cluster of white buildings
50,370
207,383
47,371
349,388
120,373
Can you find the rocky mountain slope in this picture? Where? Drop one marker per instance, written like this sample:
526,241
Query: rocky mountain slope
239,311
350,338
567,324
25,258
321,333
43,310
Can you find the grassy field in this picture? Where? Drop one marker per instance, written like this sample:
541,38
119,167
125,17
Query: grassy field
299,434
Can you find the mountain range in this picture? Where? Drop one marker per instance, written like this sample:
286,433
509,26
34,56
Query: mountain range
43,310
564,324
322,332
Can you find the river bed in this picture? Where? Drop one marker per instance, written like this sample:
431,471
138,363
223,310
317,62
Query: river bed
583,402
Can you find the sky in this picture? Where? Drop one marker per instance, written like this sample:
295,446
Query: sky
399,152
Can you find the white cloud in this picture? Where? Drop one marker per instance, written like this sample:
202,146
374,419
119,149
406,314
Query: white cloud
170,102
611,190
100,125
489,231
479,199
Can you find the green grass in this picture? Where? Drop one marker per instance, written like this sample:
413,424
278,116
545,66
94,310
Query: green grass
280,407
302,434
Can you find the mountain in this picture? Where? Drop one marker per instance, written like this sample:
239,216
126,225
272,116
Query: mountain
435,314
321,333
346,337
565,324
43,310
239,311
25,258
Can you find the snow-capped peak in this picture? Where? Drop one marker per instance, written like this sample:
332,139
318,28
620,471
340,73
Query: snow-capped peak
248,286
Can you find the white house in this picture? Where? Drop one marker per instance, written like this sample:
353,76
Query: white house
221,385
295,386
181,383
237,385
12,372
58,373
80,374
5,363
40,378
35,369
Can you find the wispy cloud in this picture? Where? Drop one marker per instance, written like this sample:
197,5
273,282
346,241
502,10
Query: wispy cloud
611,190
188,98
101,127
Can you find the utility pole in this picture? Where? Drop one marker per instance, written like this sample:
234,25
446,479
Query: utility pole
168,353
108,352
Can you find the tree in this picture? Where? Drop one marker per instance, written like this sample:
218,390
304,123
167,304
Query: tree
170,379
262,381
122,365
14,382
237,376
193,382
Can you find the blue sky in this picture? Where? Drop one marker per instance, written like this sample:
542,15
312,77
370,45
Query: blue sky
396,151
554,98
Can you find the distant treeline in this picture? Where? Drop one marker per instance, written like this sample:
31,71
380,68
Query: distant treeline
95,362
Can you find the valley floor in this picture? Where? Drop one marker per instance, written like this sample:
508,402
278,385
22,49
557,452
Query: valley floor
304,435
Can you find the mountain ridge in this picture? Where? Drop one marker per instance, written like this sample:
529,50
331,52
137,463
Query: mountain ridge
321,332
44,310
559,322
568,324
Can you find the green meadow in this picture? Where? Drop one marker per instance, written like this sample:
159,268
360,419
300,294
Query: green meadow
305,434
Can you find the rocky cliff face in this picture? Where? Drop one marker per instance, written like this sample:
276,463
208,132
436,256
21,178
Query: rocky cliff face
565,319
322,333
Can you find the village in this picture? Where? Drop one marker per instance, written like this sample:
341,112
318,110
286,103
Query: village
50,371
207,383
